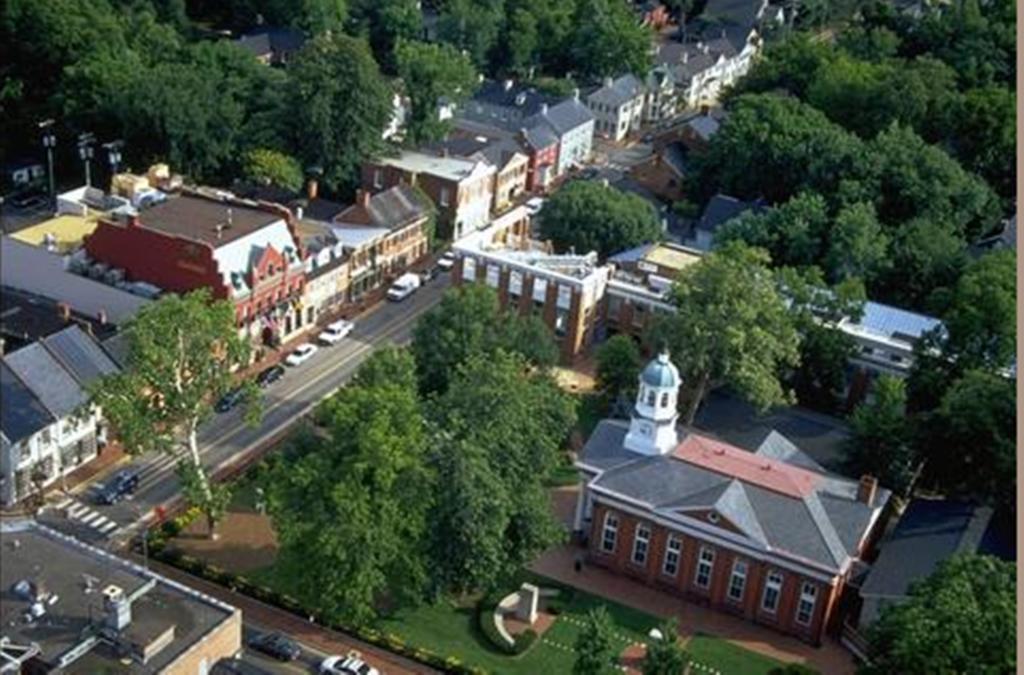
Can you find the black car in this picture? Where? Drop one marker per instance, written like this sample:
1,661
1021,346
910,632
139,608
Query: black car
277,646
590,173
228,400
122,484
270,375
430,273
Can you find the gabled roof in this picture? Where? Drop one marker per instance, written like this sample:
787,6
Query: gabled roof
564,117
515,95
454,169
892,323
619,91
723,208
59,393
389,210
792,508
262,42
22,414
80,355
539,136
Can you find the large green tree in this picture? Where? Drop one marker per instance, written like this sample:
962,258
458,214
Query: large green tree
269,167
882,441
468,321
591,216
961,619
432,72
596,652
618,367
351,515
340,106
731,327
608,41
500,432
182,351
792,233
473,26
665,654
386,23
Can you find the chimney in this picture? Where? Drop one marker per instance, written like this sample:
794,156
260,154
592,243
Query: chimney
866,489
117,608
543,108
707,49
608,81
576,93
686,57
101,316
508,85
298,213
363,198
64,310
312,187
444,150
230,219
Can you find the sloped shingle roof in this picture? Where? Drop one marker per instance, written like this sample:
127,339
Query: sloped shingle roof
22,414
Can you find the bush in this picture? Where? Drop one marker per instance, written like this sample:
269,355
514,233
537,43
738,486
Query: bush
524,641
485,618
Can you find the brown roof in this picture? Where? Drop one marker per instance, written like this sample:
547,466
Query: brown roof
198,218
391,209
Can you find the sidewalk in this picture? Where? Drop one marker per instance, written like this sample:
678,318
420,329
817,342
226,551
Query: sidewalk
318,637
558,564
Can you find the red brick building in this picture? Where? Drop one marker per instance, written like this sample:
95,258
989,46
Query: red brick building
243,251
541,146
767,535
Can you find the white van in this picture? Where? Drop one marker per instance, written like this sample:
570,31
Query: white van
403,287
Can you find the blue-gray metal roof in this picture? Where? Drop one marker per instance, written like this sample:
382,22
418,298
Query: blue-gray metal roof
80,354
896,323
47,379
660,373
929,532
619,90
565,116
21,414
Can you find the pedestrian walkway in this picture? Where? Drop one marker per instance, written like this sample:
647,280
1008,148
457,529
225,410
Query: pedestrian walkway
559,564
271,618
83,515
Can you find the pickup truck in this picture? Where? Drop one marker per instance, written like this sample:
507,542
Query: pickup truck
403,287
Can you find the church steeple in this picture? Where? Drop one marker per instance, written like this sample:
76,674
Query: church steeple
652,429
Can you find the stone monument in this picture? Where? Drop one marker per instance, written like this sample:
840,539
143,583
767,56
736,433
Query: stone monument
526,610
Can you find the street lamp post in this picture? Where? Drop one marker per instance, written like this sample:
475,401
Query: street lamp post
113,149
85,151
49,142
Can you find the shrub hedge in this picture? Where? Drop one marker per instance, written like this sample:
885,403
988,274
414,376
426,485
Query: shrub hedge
485,618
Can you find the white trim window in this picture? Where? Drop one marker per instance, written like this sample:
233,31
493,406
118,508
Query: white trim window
805,608
673,551
738,580
641,544
378,178
772,592
705,564
493,275
469,269
610,532
446,197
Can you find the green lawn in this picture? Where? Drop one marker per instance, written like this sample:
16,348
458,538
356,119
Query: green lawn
727,657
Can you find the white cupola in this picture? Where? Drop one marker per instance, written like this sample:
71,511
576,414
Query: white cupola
652,429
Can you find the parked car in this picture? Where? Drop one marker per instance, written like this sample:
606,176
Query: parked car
346,665
336,332
277,646
302,353
590,173
403,287
429,274
121,485
446,261
229,400
269,376
534,205
30,199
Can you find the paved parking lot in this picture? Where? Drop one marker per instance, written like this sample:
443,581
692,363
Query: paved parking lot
13,218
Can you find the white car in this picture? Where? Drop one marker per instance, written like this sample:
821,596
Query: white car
534,205
446,261
336,332
346,665
404,286
302,353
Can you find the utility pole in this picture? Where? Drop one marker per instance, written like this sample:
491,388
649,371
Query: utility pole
85,151
50,142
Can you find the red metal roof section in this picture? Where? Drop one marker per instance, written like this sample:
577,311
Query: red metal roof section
728,460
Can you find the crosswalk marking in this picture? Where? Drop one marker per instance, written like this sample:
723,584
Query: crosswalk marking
90,517
77,509
106,529
100,522
63,503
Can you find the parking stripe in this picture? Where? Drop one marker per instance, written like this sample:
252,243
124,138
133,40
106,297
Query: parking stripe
92,515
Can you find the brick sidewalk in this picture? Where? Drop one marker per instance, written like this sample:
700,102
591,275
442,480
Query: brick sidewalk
318,637
558,564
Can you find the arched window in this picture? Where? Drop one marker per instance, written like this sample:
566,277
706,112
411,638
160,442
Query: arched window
664,400
652,397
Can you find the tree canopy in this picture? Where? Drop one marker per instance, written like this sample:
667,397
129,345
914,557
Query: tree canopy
432,72
961,619
591,216
882,440
618,362
731,326
596,652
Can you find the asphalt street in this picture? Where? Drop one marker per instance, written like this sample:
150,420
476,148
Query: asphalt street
227,439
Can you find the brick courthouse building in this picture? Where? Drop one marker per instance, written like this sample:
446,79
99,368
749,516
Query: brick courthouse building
767,535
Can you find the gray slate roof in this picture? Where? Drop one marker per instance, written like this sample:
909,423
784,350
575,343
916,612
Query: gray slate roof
540,136
823,527
47,379
723,208
80,355
22,414
519,96
393,208
564,117
929,532
619,91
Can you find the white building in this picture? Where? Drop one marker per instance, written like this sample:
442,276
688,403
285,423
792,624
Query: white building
47,426
618,107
